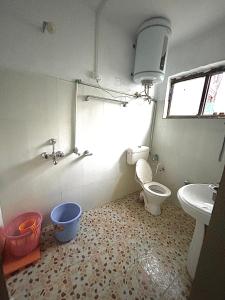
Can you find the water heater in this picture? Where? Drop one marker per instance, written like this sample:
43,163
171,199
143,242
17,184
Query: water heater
151,51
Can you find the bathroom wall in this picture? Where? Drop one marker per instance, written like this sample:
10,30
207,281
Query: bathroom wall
69,52
36,105
189,148
35,108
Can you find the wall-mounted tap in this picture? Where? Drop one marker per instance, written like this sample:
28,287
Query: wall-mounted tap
186,182
214,188
155,157
76,151
85,153
54,155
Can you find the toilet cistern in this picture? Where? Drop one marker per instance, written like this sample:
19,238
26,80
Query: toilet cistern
152,192
135,153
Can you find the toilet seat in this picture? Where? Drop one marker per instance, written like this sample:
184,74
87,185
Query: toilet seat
157,189
154,193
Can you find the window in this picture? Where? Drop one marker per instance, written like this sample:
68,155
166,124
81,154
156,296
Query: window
197,95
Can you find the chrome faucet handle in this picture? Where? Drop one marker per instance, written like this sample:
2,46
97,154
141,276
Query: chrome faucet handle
59,154
214,187
52,141
76,151
87,153
45,155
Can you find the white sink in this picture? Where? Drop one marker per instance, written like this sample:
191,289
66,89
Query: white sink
197,201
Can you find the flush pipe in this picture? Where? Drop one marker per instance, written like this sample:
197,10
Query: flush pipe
97,28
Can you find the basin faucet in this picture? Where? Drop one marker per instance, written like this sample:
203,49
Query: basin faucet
214,187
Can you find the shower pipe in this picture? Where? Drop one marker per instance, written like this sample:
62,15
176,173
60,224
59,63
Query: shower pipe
97,27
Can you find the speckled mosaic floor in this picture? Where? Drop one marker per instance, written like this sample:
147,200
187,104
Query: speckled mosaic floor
121,252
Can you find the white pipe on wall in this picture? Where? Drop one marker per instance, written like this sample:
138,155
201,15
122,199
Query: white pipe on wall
96,70
97,27
75,150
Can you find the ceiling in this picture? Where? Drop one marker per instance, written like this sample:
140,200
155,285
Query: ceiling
188,17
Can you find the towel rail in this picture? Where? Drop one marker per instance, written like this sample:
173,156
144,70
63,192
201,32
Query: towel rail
124,103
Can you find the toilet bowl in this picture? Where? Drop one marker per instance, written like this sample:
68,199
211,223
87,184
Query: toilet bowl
153,193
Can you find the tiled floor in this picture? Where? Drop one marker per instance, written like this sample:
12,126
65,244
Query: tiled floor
121,252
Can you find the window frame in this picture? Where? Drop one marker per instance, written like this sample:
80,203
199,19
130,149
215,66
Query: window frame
207,74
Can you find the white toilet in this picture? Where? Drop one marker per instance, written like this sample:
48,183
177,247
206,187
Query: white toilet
153,193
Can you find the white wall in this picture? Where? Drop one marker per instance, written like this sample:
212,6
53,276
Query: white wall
35,108
189,148
62,54
69,52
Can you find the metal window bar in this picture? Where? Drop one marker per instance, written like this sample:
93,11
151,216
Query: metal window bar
207,75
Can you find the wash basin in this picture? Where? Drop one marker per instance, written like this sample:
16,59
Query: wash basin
197,201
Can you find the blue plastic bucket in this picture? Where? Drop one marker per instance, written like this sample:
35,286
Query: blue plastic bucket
67,217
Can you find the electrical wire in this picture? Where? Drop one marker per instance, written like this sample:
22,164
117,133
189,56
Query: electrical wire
146,96
106,91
